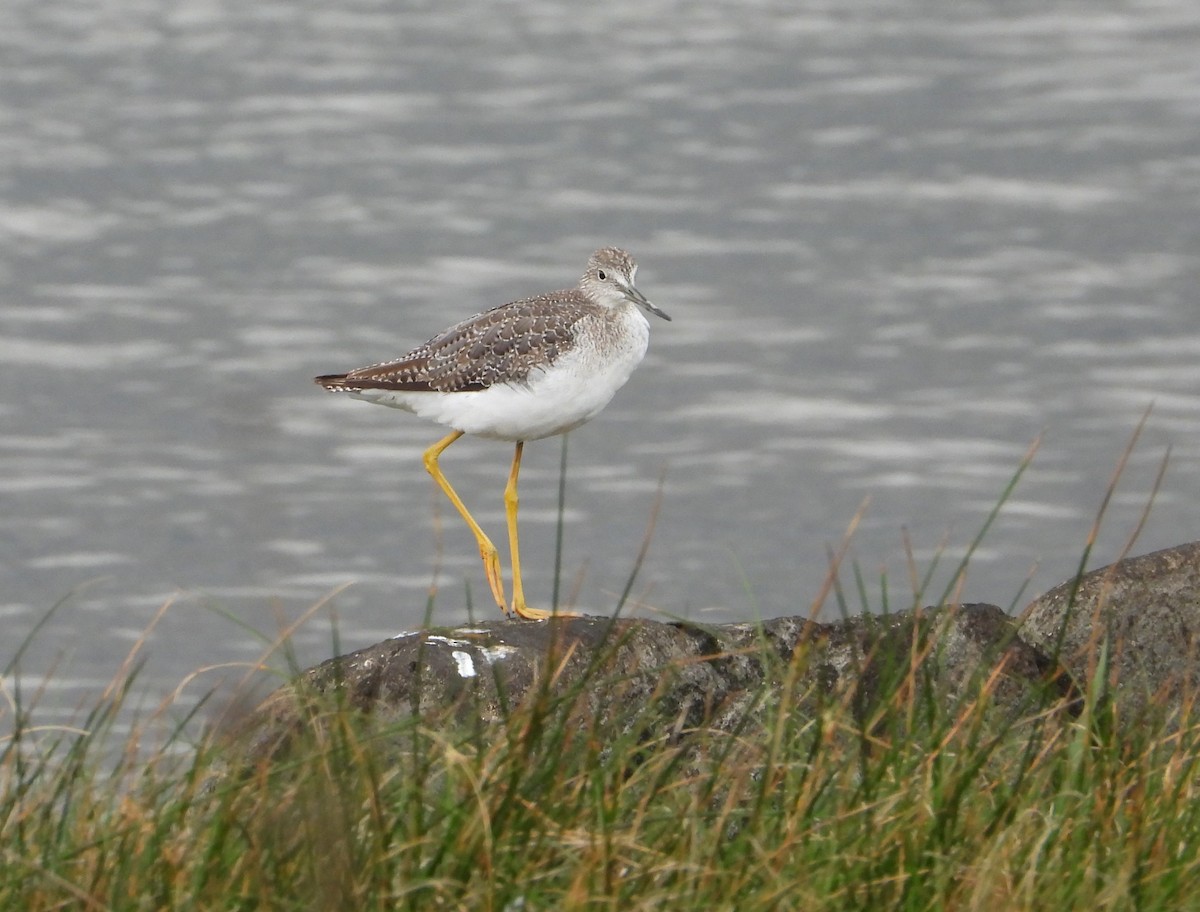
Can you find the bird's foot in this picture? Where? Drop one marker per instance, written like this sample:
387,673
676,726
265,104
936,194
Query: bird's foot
521,610
491,568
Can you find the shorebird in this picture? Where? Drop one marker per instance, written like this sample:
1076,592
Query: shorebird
522,371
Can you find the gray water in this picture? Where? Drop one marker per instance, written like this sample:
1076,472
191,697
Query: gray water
898,241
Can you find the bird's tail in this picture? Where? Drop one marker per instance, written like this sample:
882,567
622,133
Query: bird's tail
333,382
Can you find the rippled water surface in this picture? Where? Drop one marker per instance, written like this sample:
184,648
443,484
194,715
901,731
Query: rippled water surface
898,243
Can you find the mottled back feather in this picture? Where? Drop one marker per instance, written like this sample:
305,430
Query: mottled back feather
501,345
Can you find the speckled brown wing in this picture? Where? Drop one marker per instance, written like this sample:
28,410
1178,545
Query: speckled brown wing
501,345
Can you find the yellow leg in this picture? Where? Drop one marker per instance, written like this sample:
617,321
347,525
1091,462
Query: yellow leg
510,510
491,557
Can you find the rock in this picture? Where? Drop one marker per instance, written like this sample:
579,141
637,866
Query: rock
673,679
691,675
1147,609
959,647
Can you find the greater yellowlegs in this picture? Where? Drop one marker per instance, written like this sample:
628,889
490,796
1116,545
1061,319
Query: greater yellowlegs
522,371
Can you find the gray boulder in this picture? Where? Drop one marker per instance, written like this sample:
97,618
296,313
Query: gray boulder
691,675
1146,610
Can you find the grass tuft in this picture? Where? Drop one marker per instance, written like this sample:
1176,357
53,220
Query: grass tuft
814,800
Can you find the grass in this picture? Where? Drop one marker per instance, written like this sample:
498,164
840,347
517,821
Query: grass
812,807
810,804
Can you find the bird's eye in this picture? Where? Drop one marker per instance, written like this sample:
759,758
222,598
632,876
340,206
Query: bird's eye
601,274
